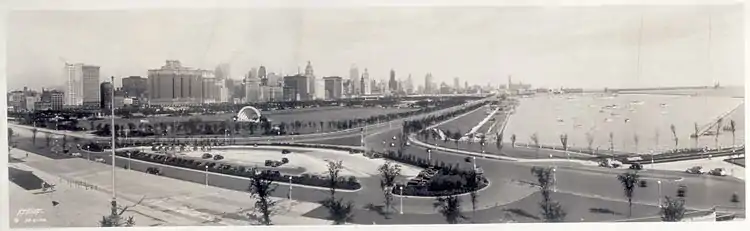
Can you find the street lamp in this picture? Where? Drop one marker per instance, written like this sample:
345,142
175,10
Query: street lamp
401,188
429,154
129,161
474,162
658,182
206,175
554,179
290,187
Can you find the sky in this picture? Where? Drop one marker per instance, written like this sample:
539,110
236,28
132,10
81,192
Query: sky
588,47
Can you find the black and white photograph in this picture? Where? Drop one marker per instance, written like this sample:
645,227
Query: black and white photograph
373,115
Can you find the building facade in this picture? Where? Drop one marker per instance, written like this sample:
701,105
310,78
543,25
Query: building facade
428,85
51,100
296,88
174,84
91,96
135,86
392,83
354,80
106,90
366,83
73,74
333,87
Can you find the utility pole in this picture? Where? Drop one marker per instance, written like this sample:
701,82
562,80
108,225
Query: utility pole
112,126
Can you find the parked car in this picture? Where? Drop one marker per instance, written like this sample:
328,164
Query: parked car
268,163
636,166
394,138
153,170
718,172
284,160
76,154
218,157
643,184
99,159
695,170
206,156
408,143
393,145
285,151
681,191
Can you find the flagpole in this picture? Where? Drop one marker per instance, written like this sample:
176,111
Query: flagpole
112,115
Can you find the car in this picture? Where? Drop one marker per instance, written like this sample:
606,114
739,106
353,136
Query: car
218,157
695,170
284,160
153,170
394,138
681,191
206,156
76,154
268,163
643,184
99,159
718,172
285,151
393,145
408,143
636,166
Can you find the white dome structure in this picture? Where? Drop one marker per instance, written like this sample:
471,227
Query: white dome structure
248,114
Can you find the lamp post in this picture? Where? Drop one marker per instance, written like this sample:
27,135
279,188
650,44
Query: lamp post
554,179
429,155
474,162
129,161
206,175
401,189
290,187
658,182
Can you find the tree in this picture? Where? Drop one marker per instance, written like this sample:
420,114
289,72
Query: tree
733,129
564,142
47,138
636,139
334,168
10,136
674,135
473,181
499,141
695,135
535,139
34,131
672,209
338,210
388,174
115,218
513,140
551,210
261,188
629,181
612,142
718,130
450,208
590,141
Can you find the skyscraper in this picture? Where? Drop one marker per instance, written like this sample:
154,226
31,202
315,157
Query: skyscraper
262,76
366,86
333,87
91,97
173,84
135,86
355,88
392,83
106,95
252,88
74,81
310,74
456,85
296,88
428,85
409,86
222,71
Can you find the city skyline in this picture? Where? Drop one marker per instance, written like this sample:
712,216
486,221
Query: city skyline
674,43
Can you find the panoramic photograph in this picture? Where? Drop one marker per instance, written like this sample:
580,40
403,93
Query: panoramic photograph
375,116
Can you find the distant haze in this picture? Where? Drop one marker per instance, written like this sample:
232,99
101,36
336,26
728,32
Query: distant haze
589,47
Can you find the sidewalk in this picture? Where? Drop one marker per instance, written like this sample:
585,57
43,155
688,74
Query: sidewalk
707,164
166,201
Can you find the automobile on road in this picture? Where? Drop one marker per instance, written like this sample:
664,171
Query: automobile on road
99,159
718,172
636,166
206,156
76,154
695,170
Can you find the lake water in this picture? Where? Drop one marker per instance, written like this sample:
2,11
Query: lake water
626,116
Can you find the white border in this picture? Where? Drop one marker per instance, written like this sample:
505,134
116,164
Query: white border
187,4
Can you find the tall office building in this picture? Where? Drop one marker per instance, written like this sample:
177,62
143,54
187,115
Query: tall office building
74,84
106,90
252,88
91,97
174,84
392,83
50,99
135,86
296,88
367,85
222,71
456,85
355,79
333,87
314,86
262,76
428,85
409,88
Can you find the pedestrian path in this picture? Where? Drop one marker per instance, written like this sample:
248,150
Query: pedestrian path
165,201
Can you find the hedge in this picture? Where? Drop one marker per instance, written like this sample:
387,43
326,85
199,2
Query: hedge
350,183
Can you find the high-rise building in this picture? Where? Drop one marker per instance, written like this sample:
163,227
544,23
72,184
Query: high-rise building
409,88
355,79
262,76
106,90
314,86
91,97
252,88
367,85
456,85
428,85
135,86
392,83
296,88
174,84
51,99
333,87
222,71
74,84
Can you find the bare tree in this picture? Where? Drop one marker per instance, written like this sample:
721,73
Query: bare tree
388,174
612,142
590,141
674,135
450,208
47,138
672,209
718,131
261,187
629,181
499,141
636,140
656,137
34,131
513,140
733,129
695,135
473,181
535,139
334,168
115,218
564,142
